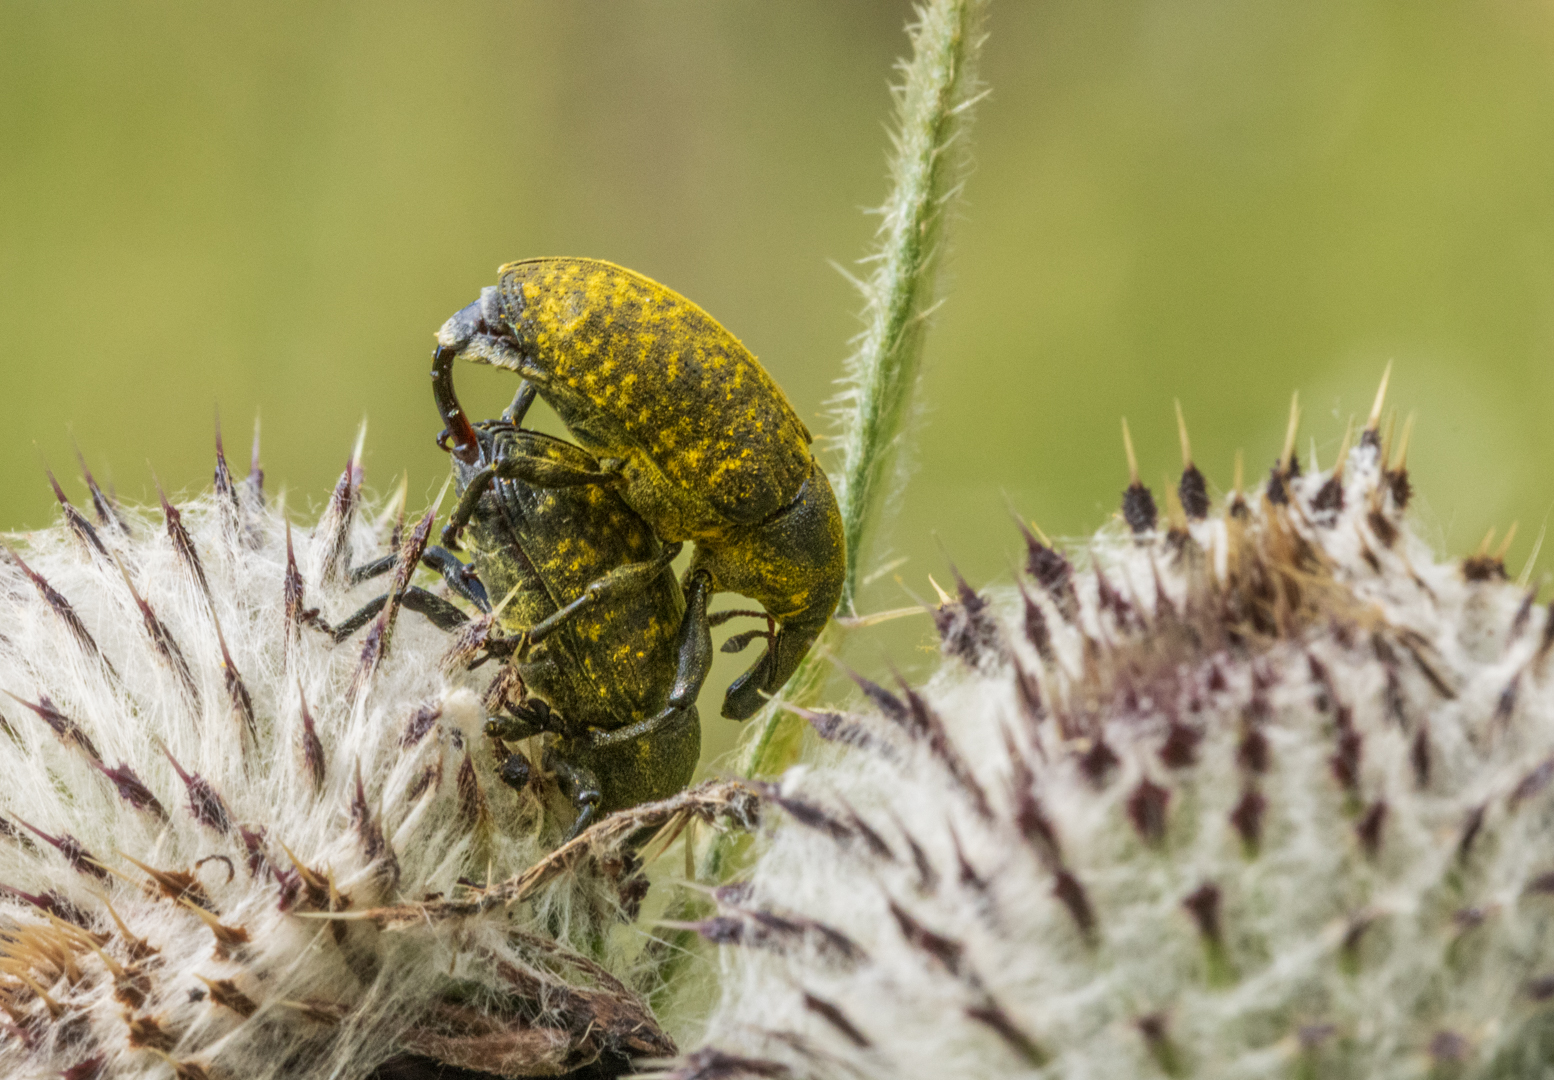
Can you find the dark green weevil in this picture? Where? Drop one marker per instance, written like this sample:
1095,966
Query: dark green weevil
590,614
687,427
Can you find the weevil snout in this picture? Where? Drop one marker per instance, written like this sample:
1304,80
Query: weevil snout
483,318
478,330
458,436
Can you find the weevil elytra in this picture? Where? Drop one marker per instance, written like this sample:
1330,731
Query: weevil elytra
687,426
591,616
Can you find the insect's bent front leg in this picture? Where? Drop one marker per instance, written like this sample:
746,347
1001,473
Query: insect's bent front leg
460,576
445,616
441,614
515,412
473,490
622,581
376,568
524,721
540,472
579,784
694,661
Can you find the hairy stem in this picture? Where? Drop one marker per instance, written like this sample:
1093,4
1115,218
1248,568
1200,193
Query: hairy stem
934,104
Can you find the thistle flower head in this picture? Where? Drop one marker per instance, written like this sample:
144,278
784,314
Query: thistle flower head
1258,792
230,847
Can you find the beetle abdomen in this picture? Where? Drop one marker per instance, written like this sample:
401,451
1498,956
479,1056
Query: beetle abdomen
638,371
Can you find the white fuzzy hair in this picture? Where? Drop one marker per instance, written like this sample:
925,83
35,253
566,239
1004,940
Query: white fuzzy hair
1266,796
226,968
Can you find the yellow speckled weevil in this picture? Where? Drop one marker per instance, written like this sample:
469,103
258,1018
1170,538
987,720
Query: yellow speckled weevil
687,427
590,615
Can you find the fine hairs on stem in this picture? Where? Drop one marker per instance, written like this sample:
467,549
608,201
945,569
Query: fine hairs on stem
935,102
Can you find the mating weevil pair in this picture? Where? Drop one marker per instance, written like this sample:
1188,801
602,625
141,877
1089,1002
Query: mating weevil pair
682,436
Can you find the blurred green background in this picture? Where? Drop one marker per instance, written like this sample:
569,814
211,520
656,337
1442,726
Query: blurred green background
269,208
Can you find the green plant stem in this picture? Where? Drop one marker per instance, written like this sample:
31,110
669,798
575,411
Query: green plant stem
934,104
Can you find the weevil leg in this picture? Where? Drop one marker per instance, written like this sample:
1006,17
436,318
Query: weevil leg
622,581
747,694
694,654
515,412
376,568
718,618
510,729
438,611
545,473
525,721
538,471
442,614
458,437
741,641
359,618
479,481
460,576
579,784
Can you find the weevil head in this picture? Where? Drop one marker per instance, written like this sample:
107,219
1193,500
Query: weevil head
481,319
479,332
476,332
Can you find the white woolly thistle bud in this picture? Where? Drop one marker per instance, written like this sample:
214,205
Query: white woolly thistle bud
231,847
1262,793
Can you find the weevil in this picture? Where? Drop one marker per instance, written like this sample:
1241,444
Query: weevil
684,423
588,612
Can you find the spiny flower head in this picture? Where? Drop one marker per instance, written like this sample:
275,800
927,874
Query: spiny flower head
231,847
1264,792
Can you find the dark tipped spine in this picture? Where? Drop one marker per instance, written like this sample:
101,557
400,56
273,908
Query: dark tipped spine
377,640
1193,490
1371,826
1147,808
66,615
166,647
183,547
69,732
132,790
927,721
1138,508
966,627
228,506
338,517
107,513
369,830
80,860
1053,572
237,692
79,527
312,748
205,805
